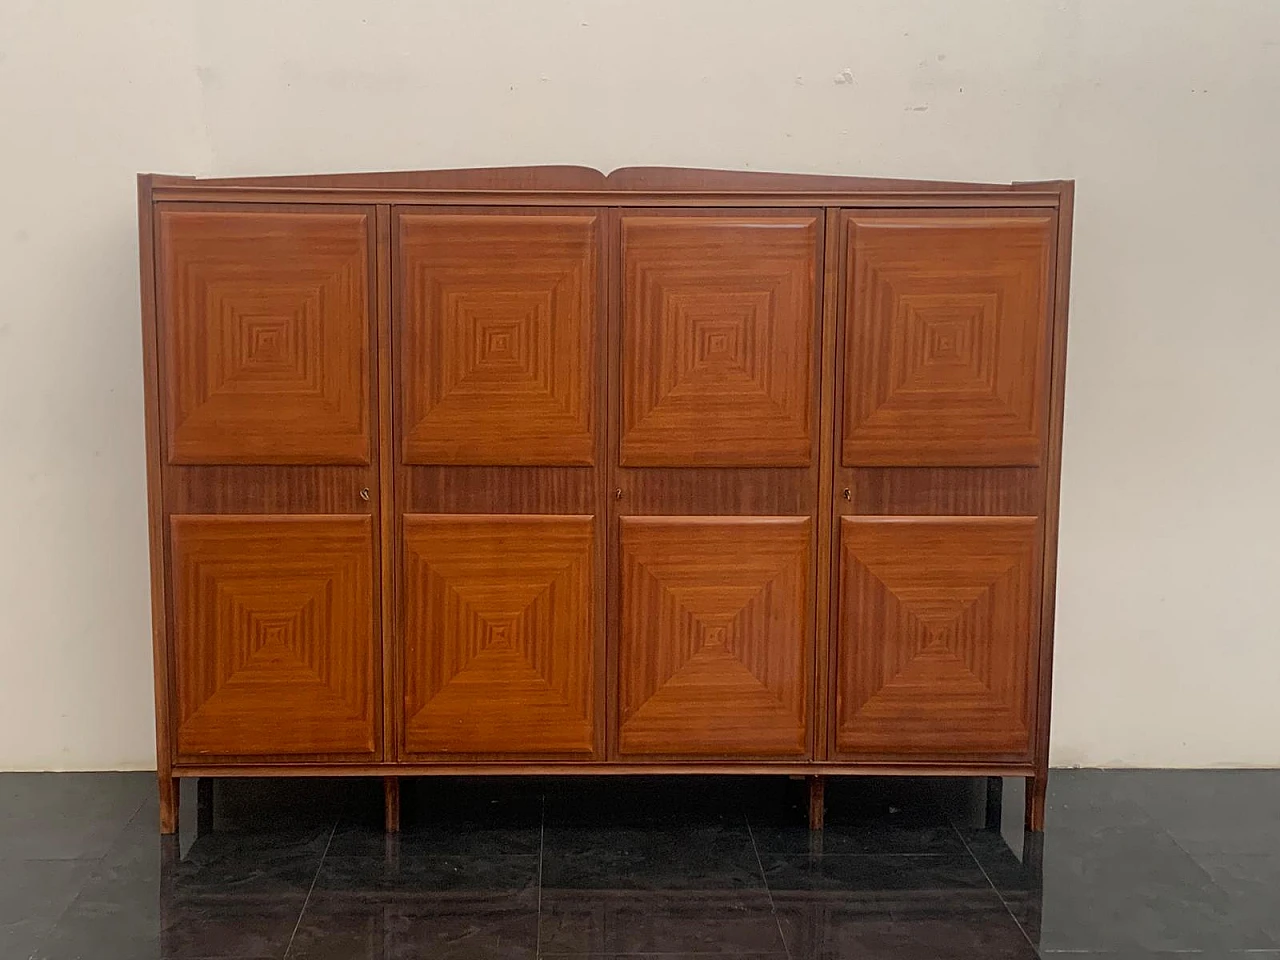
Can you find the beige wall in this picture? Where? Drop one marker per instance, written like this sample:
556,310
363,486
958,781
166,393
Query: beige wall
1165,111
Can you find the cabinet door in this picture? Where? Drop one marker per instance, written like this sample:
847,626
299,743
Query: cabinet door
499,483
499,635
946,342
269,394
716,345
265,323
936,643
274,635
714,641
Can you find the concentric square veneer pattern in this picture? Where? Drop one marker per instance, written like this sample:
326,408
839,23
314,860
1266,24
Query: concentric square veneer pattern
936,614
717,339
274,636
266,336
499,634
498,338
714,649
946,327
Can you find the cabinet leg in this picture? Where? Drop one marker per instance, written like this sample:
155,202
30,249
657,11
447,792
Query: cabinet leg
169,794
817,801
391,801
1036,789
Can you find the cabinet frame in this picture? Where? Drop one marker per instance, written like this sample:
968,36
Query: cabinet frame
536,188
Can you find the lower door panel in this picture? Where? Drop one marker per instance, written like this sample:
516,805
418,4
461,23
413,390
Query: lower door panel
714,646
274,639
499,638
937,639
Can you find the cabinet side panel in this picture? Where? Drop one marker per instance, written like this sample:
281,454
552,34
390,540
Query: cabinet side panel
155,493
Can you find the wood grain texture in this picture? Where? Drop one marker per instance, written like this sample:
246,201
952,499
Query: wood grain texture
718,330
160,655
247,488
569,178
611,768
499,640
936,654
276,651
386,494
939,491
715,647
946,340
498,327
266,335
549,490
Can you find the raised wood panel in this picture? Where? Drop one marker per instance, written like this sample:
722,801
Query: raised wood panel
499,638
937,640
946,340
715,649
265,329
498,332
274,642
718,331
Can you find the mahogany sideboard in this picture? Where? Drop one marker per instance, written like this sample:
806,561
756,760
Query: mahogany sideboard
542,471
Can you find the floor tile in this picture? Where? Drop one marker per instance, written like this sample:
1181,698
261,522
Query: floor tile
873,835
627,921
406,906
1110,879
900,926
1252,886
494,877
33,894
410,925
67,816
874,873
449,817
662,866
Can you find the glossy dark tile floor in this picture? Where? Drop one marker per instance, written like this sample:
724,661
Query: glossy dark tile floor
1133,865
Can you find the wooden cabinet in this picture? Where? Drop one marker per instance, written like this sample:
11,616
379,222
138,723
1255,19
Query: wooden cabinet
539,470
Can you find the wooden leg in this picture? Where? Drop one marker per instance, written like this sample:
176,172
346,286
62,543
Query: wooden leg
1036,788
169,793
817,801
391,799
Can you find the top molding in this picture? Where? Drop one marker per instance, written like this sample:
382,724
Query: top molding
545,184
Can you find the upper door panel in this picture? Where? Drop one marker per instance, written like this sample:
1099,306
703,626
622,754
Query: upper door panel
718,329
265,329
498,323
946,322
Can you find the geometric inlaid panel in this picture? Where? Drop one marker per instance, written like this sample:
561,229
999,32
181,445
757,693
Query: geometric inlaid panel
718,331
946,326
499,634
715,649
265,323
498,330
937,641
274,640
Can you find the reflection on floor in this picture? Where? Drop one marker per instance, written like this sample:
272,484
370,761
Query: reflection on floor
1133,864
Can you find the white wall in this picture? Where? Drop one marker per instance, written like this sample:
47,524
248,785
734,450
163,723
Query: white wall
1165,111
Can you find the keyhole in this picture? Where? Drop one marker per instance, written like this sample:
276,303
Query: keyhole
364,494
847,493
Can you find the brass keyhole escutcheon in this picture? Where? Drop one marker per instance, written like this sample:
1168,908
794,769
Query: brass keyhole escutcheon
617,494
847,493
364,494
